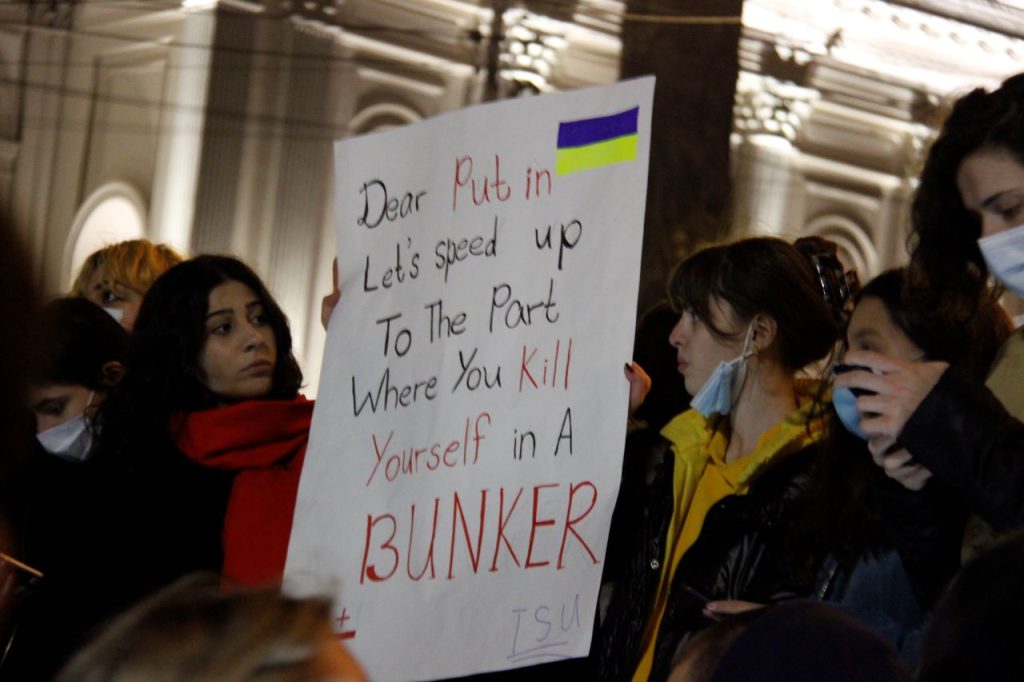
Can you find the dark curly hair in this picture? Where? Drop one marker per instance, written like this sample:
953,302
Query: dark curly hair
164,377
760,275
947,272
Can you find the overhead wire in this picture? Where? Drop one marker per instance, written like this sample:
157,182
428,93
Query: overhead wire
470,35
257,60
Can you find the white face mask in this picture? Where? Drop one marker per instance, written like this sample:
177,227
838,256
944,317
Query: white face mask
1004,254
115,313
71,440
716,395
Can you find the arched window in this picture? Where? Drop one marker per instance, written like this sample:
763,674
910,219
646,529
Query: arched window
113,213
382,116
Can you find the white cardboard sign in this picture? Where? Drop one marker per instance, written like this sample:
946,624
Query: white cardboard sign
466,445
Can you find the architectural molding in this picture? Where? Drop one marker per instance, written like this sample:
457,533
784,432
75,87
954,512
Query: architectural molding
1001,16
128,21
766,105
855,245
177,163
451,29
50,13
13,52
128,115
381,117
8,166
548,55
851,90
605,16
910,47
529,51
235,105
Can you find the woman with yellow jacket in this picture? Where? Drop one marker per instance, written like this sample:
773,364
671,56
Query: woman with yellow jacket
753,315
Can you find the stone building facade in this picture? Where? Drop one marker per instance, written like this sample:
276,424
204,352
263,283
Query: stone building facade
208,123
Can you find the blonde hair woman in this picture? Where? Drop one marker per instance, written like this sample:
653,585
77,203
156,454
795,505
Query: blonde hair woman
117,276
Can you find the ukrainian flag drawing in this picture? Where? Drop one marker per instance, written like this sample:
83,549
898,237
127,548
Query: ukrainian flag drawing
595,142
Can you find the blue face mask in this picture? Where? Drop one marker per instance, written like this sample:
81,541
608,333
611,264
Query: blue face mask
845,403
1004,255
716,395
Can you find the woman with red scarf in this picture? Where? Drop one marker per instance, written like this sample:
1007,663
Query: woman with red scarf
197,465
212,377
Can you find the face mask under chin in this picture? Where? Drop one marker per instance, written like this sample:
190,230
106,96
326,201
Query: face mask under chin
716,395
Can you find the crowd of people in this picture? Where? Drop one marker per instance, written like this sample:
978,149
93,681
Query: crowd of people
821,480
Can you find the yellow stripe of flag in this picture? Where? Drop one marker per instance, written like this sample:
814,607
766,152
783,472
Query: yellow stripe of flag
575,159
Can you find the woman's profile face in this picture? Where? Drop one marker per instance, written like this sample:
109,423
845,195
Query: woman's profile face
991,184
872,328
110,294
239,349
698,350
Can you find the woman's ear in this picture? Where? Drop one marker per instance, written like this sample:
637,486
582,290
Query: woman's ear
111,373
765,330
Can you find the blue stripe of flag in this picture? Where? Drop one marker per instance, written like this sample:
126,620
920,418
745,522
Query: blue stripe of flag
591,130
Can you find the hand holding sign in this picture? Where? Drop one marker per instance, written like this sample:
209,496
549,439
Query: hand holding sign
330,301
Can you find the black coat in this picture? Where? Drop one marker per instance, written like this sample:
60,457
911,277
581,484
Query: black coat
741,553
967,439
105,534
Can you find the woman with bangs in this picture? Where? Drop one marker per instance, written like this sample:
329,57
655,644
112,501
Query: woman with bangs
752,317
117,276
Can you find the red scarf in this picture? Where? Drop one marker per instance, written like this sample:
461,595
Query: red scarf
265,442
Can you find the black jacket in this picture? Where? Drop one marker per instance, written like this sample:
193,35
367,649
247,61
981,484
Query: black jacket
104,534
741,553
967,439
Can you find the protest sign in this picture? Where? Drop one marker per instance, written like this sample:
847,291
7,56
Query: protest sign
466,446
